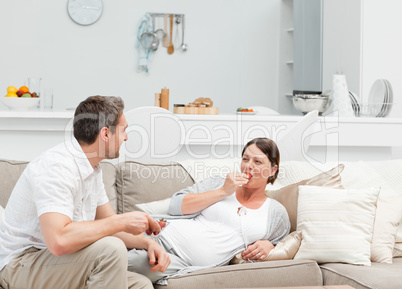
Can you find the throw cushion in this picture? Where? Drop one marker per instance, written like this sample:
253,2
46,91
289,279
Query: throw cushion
288,195
397,250
337,225
387,219
1,213
286,249
143,183
399,234
156,208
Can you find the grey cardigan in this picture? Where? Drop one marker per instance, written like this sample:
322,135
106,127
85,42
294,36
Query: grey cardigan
278,220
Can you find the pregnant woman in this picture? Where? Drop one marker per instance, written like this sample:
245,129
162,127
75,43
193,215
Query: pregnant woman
220,217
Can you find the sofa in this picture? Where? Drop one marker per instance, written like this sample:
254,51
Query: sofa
138,186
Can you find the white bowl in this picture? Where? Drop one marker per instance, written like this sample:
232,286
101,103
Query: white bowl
20,103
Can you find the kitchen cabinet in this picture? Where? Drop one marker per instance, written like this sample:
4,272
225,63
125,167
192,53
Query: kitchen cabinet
307,55
300,69
358,40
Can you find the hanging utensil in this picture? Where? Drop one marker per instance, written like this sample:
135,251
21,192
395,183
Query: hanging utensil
165,42
171,48
176,42
160,33
183,46
148,39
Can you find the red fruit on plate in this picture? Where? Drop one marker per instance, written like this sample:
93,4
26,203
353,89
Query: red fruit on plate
20,93
148,232
162,224
249,176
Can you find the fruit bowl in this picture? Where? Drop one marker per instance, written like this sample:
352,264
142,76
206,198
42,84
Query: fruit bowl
20,103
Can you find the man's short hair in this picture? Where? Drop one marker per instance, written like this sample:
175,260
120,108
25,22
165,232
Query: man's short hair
93,114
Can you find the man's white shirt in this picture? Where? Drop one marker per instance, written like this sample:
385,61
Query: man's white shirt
61,180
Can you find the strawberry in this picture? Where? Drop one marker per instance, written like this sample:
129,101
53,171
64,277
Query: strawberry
249,176
162,224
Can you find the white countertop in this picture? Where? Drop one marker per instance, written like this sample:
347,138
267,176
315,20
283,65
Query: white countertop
65,114
369,136
68,114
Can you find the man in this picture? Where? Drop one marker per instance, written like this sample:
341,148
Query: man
59,229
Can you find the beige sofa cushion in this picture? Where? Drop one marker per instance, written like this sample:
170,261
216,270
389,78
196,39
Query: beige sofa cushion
337,225
387,219
378,275
10,172
286,249
284,273
109,180
143,183
289,194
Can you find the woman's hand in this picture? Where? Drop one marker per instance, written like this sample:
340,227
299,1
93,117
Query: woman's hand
196,202
158,258
232,181
258,250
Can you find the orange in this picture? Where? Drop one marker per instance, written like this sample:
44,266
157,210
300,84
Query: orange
24,89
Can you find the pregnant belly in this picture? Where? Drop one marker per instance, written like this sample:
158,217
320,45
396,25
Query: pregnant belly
204,246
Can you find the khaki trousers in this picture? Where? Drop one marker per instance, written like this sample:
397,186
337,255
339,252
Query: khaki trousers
102,264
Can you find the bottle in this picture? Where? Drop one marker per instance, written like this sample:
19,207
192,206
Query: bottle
157,99
165,98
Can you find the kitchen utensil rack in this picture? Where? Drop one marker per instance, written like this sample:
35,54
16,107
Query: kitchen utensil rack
179,18
163,14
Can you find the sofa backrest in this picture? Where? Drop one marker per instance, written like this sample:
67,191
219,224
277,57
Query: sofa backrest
139,183
126,184
109,174
10,172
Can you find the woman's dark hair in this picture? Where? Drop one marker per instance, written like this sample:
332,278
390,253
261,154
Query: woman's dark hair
94,113
270,149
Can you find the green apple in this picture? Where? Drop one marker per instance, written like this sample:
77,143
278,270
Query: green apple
27,94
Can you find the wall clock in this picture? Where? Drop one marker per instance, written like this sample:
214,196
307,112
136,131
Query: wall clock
85,12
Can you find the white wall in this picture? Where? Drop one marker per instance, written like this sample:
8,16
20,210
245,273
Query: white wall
342,42
232,56
362,40
382,48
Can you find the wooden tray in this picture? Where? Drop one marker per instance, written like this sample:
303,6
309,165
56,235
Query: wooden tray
196,110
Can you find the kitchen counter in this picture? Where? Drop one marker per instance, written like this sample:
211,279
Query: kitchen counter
21,129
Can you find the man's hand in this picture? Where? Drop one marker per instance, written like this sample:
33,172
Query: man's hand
158,258
138,222
258,250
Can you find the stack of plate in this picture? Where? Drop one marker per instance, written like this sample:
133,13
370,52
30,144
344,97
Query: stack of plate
381,97
355,104
380,100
